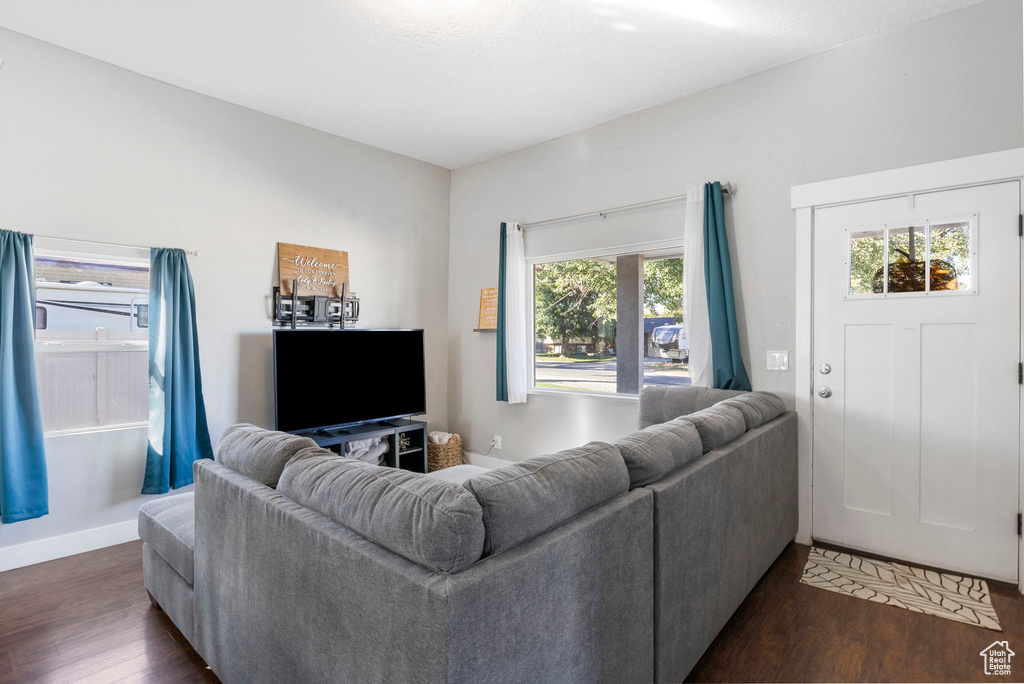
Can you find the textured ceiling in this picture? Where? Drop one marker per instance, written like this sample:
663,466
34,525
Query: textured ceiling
454,81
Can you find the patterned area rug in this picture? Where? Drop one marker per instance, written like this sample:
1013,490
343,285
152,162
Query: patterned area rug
961,599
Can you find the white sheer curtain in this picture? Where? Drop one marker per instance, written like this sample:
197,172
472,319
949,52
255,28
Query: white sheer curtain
695,297
518,345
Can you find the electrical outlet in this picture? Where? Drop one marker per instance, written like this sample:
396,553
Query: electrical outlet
497,441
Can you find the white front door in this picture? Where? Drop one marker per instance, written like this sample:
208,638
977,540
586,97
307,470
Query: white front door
917,398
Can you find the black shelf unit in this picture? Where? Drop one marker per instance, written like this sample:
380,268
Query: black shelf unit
413,459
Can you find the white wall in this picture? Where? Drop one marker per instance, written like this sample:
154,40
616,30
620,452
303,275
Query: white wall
94,152
946,88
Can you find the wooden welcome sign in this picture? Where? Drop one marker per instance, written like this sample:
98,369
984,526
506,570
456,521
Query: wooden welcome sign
319,272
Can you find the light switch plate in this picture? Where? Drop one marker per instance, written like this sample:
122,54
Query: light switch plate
778,360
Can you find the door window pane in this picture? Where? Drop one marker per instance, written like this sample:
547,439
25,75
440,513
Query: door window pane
918,259
906,260
951,256
867,261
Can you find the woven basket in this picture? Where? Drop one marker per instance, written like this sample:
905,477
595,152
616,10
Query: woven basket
441,456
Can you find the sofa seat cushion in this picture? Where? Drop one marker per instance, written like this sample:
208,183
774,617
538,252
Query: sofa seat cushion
458,474
427,520
654,452
257,453
717,425
757,408
525,499
168,525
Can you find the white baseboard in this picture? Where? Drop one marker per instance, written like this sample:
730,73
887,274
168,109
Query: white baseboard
44,550
476,459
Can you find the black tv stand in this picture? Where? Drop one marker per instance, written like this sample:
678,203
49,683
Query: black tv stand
412,458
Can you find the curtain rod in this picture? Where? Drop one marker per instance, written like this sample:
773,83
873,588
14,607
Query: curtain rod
727,189
192,252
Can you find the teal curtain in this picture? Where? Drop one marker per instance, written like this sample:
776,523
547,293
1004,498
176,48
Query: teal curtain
23,493
726,364
178,433
501,379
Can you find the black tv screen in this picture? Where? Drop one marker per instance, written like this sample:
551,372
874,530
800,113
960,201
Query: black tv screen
327,378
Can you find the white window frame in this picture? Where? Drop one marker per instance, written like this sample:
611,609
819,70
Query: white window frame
71,346
606,252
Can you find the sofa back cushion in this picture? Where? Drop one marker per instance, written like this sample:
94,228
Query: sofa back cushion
525,499
717,426
757,408
257,453
660,404
429,521
654,452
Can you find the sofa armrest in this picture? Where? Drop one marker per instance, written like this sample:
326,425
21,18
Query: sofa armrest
661,403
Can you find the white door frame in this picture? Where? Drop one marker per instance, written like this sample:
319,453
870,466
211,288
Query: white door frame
982,169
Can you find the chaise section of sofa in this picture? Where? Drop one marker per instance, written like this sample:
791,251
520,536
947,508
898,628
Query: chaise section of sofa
167,524
167,530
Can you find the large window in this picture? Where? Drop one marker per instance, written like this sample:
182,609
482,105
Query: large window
609,324
92,319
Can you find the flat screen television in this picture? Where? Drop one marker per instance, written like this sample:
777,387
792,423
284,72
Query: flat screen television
335,378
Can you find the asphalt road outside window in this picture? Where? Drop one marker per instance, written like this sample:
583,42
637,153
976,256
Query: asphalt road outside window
599,376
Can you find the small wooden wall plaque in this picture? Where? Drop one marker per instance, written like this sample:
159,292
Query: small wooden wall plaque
488,321
319,271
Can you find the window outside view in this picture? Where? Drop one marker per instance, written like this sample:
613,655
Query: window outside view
92,319
577,320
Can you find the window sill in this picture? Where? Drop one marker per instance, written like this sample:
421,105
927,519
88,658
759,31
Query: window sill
95,429
71,347
632,398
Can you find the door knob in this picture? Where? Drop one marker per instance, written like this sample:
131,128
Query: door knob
824,393
824,369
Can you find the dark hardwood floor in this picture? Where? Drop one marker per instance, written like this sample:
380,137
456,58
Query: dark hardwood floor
87,619
790,632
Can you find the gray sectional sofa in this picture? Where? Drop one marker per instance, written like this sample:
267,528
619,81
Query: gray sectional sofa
605,563
721,518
